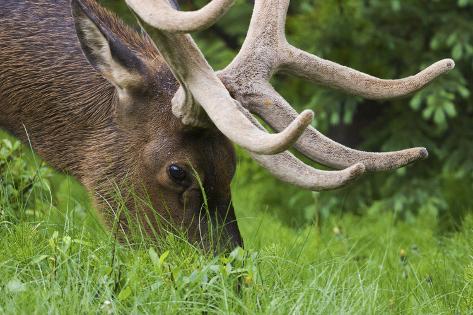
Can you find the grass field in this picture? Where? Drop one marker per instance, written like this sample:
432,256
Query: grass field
56,258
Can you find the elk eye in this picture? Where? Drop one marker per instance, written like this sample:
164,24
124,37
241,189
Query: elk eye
177,173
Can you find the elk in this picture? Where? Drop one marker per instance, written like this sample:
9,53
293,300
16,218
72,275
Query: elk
108,105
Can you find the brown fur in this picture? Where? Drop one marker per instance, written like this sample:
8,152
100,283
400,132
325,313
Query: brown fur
75,119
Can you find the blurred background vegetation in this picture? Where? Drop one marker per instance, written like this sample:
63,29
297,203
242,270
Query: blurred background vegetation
385,38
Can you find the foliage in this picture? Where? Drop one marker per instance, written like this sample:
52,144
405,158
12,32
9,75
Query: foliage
21,182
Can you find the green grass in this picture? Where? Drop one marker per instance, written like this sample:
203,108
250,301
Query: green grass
56,258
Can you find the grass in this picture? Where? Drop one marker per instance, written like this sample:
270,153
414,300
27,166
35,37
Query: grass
56,258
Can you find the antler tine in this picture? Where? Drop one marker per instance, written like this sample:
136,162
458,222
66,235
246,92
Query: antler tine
267,29
201,89
266,51
160,15
277,112
331,74
288,168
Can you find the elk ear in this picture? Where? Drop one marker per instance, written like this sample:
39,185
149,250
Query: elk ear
105,51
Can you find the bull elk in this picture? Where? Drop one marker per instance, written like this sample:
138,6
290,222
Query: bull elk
105,103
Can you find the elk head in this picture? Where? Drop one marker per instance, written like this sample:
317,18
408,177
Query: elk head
190,129
172,163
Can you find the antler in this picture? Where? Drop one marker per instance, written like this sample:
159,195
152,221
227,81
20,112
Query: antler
286,167
200,87
159,14
266,51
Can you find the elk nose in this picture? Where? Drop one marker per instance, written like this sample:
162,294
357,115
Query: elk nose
229,234
192,199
